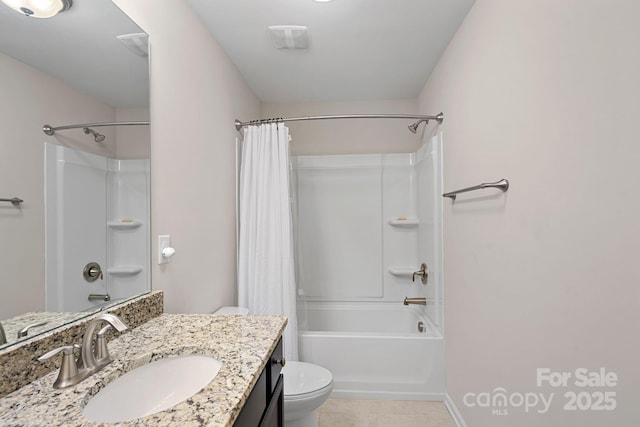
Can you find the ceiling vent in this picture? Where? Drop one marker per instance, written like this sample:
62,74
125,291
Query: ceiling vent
137,43
289,36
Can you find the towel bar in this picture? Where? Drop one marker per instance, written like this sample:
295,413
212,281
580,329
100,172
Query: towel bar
15,201
503,185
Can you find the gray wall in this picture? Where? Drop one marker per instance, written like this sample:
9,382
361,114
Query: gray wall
547,95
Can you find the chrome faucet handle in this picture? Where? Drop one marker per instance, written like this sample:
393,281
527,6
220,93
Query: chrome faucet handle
68,374
25,331
102,351
423,273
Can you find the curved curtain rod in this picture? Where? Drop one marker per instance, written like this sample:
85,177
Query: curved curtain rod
439,118
49,130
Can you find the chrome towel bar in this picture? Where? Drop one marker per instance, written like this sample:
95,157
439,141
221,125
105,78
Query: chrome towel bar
503,185
15,201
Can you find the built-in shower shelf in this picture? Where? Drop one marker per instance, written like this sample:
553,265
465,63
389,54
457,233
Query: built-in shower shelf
401,271
124,225
404,222
125,270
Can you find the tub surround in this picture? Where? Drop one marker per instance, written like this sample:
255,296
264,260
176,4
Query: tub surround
242,343
19,365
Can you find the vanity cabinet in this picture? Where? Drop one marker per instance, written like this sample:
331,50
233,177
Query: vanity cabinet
265,405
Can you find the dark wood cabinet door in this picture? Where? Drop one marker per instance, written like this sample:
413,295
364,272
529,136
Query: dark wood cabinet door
265,405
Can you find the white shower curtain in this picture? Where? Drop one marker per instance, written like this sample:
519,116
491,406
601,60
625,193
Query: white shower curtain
266,280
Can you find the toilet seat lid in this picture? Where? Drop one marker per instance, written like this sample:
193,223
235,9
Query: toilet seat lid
303,378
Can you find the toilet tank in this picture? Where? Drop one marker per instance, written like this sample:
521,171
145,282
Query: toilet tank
241,311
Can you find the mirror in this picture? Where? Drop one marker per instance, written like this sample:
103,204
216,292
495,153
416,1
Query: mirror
65,70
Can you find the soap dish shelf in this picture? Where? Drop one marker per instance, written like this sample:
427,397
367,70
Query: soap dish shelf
404,222
126,225
125,270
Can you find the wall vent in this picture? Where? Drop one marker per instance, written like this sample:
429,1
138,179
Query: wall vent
137,43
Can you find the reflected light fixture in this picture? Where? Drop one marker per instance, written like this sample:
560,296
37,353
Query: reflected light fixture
39,8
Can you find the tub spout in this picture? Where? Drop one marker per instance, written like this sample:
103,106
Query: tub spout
418,301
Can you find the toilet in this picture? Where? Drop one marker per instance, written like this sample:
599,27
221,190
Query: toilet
241,311
306,386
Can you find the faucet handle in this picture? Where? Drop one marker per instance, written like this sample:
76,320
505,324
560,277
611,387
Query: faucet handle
25,331
101,350
423,273
68,374
65,350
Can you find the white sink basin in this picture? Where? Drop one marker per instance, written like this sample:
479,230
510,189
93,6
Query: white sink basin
151,388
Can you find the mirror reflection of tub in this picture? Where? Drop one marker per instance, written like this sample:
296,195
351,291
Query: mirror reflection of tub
47,77
97,211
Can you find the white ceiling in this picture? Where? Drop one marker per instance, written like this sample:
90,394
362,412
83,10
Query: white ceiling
359,49
79,47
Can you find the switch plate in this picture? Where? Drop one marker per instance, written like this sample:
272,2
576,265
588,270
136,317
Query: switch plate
164,241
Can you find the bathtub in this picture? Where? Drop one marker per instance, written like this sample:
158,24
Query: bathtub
374,350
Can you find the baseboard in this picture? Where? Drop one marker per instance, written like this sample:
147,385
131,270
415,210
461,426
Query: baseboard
385,395
453,410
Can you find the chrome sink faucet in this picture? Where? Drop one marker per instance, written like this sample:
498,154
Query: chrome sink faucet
73,371
87,354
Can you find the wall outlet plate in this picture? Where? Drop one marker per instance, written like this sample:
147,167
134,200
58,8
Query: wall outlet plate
164,241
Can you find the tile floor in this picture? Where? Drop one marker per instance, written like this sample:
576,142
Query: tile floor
383,413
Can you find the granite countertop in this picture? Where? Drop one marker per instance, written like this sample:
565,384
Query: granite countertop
242,343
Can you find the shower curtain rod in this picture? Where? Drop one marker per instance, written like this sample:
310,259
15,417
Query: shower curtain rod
49,130
438,118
